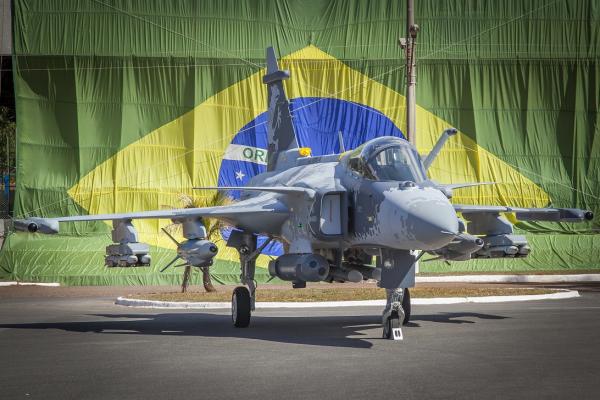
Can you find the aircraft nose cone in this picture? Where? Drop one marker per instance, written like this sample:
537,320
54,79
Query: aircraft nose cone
432,221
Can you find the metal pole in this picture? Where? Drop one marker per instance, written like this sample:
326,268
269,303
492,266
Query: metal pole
410,43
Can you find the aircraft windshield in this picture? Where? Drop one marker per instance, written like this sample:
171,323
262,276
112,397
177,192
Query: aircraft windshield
397,163
387,158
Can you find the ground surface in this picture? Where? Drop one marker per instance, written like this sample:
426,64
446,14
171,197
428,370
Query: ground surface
341,294
115,291
86,347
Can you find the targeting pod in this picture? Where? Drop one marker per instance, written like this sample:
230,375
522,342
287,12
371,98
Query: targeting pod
300,267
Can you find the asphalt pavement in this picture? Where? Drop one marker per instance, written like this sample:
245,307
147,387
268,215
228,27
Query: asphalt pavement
89,348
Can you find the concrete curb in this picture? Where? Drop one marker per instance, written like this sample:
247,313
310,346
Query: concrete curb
568,278
510,278
12,283
124,301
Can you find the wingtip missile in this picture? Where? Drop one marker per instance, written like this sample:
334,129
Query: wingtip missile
33,225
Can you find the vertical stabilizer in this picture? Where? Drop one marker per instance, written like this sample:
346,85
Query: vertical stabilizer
280,130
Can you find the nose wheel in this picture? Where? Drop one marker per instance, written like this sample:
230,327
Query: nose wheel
240,307
396,313
392,326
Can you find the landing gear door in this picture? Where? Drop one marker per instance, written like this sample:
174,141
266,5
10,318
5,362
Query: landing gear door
330,215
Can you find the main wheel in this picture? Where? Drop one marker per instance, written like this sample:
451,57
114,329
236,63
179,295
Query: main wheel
240,307
406,306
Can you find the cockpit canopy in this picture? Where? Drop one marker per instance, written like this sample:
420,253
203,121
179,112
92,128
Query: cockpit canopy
387,158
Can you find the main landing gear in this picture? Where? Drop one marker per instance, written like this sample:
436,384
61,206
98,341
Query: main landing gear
244,297
241,308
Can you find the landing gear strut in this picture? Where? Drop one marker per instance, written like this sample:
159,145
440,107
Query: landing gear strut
244,297
406,306
397,274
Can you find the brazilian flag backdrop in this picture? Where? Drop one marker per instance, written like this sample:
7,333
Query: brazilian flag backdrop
125,105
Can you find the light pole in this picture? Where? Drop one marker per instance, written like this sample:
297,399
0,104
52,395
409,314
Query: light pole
408,43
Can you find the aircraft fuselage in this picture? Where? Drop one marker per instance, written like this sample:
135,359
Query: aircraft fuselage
350,209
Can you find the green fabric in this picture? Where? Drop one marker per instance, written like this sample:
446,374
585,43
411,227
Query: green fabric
47,259
521,78
553,252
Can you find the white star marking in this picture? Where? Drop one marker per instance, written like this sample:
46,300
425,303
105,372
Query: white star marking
239,175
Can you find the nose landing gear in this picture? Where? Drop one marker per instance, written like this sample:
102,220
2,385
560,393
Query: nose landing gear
391,325
396,313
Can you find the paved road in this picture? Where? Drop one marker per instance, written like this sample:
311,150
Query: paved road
88,348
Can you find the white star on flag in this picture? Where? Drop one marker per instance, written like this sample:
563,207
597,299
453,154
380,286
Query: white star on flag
239,175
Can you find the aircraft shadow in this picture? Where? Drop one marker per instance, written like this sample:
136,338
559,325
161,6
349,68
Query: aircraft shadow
334,331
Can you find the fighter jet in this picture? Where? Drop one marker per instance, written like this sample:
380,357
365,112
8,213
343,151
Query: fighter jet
367,213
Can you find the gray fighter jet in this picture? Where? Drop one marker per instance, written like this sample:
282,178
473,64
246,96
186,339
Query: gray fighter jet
334,214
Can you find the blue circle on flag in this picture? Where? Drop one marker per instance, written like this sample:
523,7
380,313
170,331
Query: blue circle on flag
317,122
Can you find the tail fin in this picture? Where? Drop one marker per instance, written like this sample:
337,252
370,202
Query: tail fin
280,130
